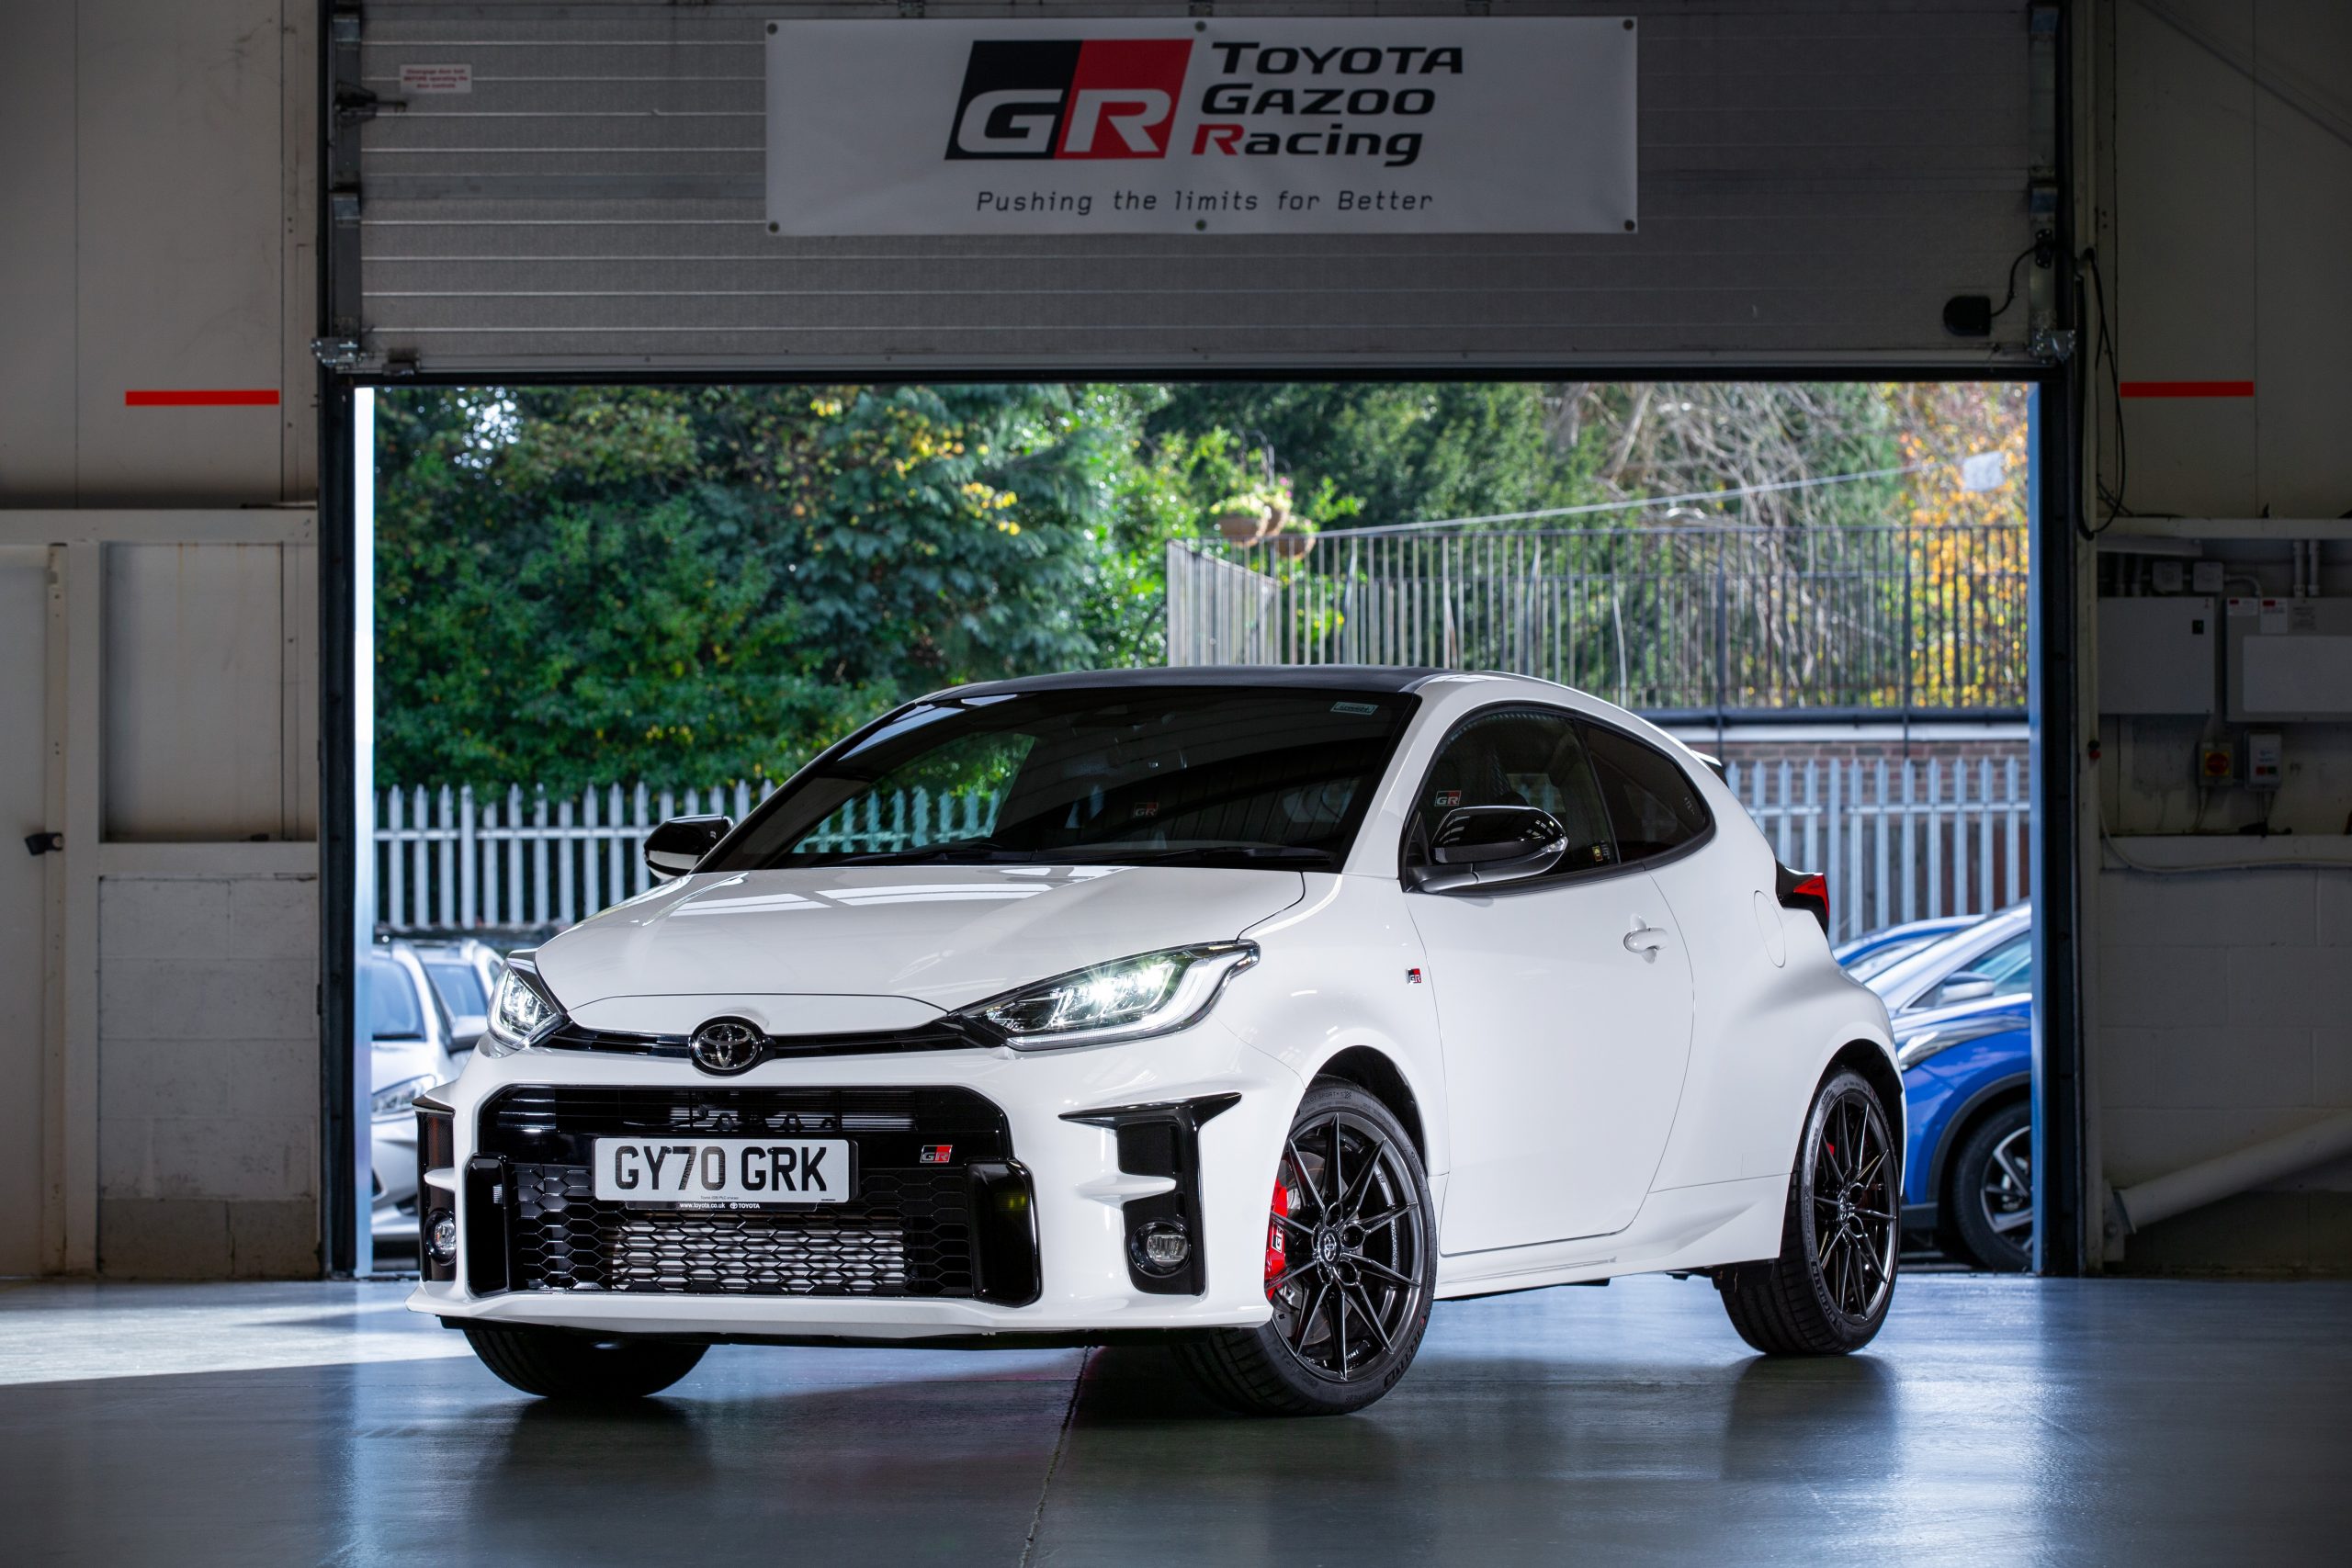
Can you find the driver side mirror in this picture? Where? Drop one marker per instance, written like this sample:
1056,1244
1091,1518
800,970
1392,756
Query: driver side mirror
1480,846
673,848
1966,986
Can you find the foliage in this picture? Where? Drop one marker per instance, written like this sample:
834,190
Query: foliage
577,585
684,585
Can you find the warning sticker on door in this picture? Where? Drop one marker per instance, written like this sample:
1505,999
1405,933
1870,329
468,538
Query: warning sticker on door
436,78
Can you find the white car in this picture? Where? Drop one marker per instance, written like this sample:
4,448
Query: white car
408,1054
1256,1009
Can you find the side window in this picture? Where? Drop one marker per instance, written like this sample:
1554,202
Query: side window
1652,804
1518,757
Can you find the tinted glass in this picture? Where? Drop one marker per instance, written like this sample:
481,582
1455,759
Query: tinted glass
1519,757
1652,803
2009,967
393,1012
1207,775
459,987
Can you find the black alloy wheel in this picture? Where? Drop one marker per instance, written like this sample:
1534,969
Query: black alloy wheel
1990,1199
1350,1268
1828,1291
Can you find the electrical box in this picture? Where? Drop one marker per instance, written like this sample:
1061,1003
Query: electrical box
2217,762
2287,660
2156,655
2265,760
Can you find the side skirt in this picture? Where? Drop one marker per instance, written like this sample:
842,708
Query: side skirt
1684,1228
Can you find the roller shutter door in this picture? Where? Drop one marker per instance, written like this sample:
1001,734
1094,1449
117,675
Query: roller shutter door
1815,181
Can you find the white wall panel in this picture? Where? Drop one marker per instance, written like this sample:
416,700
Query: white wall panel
1815,181
25,918
196,692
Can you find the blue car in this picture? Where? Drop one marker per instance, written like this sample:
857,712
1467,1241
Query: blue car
1962,1008
1866,955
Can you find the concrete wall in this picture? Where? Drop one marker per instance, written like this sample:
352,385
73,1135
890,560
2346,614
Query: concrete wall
2219,1002
156,251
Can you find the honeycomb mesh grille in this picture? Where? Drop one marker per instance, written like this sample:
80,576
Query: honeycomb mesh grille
907,1231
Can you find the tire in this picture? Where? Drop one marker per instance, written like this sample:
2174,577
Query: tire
1350,1301
556,1363
1848,1202
1989,1193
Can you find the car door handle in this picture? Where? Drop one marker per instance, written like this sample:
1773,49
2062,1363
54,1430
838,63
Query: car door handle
1645,940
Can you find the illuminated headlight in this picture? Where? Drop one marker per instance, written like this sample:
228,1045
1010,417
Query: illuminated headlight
399,1099
1911,1050
521,1011
1127,999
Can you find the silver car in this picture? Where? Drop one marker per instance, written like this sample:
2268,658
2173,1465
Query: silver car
409,1035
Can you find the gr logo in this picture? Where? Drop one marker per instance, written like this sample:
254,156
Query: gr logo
1091,98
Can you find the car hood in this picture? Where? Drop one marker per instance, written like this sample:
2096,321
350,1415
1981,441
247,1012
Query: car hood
933,938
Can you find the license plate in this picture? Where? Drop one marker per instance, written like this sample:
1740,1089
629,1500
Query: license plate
724,1170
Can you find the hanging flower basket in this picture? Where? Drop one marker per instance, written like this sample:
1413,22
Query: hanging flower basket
1241,527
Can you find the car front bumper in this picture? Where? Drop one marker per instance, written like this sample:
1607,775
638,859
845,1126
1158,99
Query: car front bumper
1080,1193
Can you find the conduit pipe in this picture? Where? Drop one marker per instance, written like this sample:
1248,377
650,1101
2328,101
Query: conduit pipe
2161,1197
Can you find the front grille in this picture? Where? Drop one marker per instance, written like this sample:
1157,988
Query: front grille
941,1036
909,1233
909,1230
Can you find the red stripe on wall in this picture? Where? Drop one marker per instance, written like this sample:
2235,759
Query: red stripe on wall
176,398
2187,388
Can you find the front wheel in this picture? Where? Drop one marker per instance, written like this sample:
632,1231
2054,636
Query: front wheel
1350,1268
555,1363
1827,1294
1991,1203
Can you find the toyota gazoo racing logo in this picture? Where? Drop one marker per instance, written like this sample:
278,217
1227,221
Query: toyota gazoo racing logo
1091,98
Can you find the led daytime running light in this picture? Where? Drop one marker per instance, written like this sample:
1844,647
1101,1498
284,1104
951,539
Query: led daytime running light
1127,999
521,1011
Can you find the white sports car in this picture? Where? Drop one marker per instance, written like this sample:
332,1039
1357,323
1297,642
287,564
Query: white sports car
1255,1008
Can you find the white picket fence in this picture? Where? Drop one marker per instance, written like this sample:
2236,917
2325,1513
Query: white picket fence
1898,840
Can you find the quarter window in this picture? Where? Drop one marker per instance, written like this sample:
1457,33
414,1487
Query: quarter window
1519,757
1652,804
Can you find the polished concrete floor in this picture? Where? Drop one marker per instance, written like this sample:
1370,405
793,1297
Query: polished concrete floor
2010,1420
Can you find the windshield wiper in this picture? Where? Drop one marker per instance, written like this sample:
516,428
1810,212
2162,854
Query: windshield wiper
1258,854
978,849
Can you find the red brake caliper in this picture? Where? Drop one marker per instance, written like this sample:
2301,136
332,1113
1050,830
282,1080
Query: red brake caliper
1274,1252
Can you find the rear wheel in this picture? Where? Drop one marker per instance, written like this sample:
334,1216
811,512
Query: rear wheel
1828,1291
1991,1197
556,1364
1351,1268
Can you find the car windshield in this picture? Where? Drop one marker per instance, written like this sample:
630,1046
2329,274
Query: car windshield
391,1002
1163,775
461,987
1887,957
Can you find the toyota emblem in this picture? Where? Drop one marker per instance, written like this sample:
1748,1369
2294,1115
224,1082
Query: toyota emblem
728,1045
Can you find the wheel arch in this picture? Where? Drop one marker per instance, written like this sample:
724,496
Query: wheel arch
1373,1072
1870,1059
1984,1102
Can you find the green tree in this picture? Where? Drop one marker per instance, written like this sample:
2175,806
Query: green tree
1407,451
582,585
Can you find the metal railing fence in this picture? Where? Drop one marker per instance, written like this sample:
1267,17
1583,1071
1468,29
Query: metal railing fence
1716,619
1899,840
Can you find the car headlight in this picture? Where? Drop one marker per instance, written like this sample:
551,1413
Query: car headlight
522,1012
1127,999
1911,1050
400,1098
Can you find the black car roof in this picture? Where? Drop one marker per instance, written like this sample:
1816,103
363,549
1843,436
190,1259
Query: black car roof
1293,677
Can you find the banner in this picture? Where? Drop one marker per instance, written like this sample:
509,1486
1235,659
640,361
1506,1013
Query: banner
1201,124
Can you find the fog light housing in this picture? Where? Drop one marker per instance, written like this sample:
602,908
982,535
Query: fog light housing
441,1236
1163,1248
